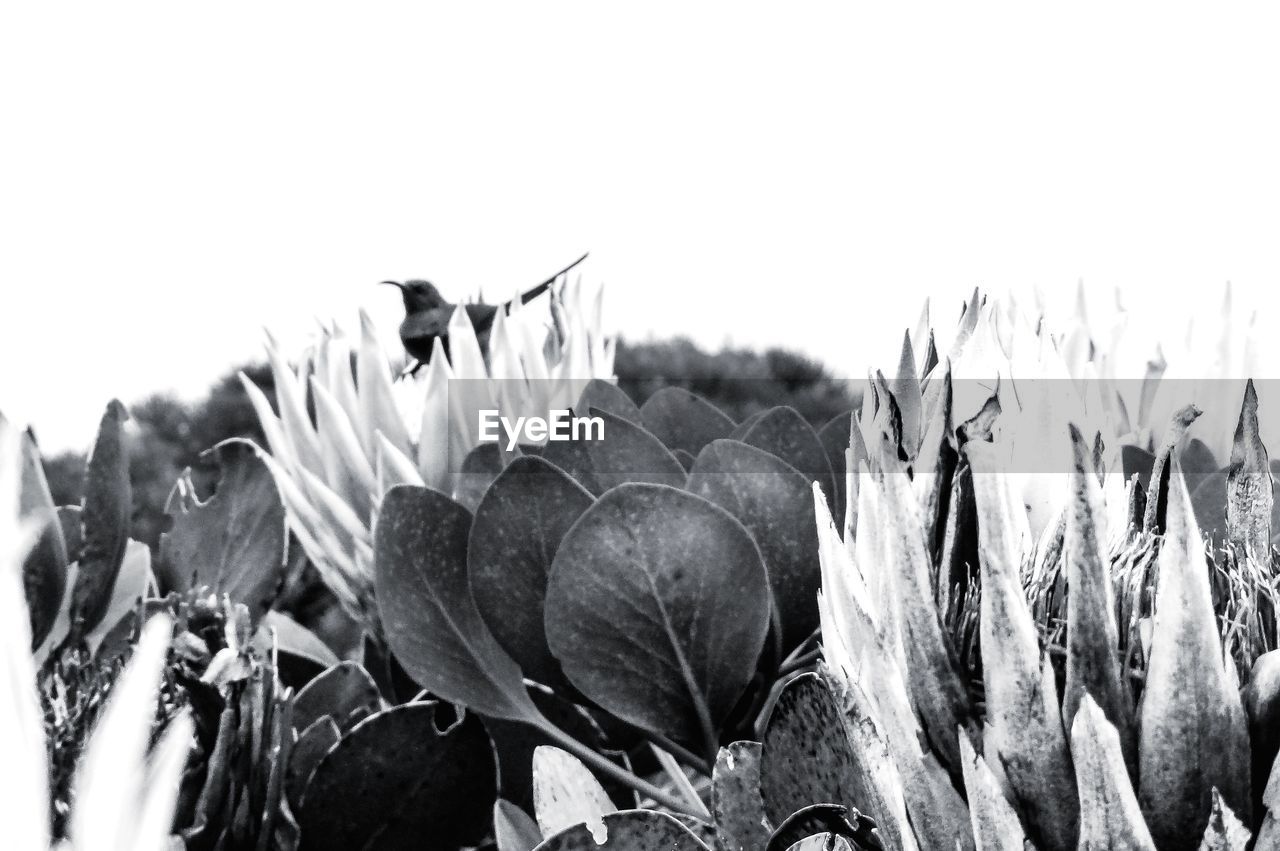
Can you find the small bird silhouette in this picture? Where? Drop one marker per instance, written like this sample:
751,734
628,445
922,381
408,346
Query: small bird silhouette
427,314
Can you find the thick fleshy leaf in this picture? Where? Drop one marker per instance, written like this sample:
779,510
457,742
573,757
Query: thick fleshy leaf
130,585
513,829
657,608
343,692
937,688
566,793
684,420
785,433
995,822
234,543
1093,663
1262,704
1194,736
626,453
607,396
1158,491
807,757
396,781
1024,723
430,619
517,530
108,506
736,804
1109,813
629,830
772,500
1249,489
905,388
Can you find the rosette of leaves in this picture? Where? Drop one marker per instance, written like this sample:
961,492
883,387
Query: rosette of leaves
661,581
1101,706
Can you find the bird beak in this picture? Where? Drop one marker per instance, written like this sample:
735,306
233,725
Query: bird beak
394,284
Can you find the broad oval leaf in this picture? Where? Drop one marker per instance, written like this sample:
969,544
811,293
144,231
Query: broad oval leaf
431,622
395,781
234,543
785,433
684,420
825,826
518,527
626,453
657,608
607,396
772,500
108,506
629,830
312,744
479,468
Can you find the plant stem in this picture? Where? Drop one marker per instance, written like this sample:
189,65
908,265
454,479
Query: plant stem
795,663
681,780
680,752
615,772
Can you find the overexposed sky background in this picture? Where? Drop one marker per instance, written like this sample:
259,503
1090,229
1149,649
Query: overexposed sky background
175,177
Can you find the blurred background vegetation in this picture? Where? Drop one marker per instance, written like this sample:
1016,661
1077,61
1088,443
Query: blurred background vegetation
171,435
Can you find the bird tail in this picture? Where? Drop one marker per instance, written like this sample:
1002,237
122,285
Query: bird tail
541,288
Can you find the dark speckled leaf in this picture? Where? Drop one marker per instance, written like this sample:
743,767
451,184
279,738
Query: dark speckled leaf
736,804
396,782
807,757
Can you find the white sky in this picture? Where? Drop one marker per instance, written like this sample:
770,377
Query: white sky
175,177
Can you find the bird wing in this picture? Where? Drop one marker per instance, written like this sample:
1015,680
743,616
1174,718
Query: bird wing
425,325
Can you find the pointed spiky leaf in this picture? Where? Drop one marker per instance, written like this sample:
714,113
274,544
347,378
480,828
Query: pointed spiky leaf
108,506
1093,664
566,793
995,822
1193,731
1224,832
1249,488
1109,813
1024,723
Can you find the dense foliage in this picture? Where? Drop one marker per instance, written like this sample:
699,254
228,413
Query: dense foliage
711,629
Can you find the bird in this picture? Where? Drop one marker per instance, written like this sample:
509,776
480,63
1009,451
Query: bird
427,314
